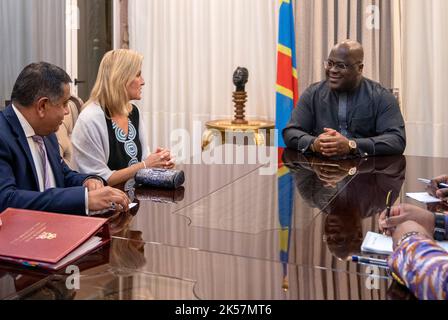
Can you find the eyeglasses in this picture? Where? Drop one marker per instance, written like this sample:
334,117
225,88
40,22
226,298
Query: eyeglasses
341,66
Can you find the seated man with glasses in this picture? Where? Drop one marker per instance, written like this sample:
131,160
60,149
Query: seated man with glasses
347,114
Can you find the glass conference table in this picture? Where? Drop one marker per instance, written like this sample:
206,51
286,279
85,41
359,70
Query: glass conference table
234,232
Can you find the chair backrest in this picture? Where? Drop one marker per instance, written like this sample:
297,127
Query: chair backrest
7,103
65,130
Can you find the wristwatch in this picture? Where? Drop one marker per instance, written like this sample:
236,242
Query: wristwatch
439,228
352,145
352,171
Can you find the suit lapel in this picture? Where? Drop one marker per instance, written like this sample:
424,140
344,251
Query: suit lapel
16,129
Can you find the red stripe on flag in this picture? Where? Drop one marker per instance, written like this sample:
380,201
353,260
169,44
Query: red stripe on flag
296,93
284,72
280,157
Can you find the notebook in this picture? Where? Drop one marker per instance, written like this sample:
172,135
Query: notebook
381,244
423,197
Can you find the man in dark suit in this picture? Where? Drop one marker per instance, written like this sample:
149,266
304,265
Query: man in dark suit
347,115
32,173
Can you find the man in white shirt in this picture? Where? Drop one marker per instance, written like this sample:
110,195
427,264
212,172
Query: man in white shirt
32,173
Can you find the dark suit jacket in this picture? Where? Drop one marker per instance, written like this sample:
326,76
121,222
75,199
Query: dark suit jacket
19,187
374,119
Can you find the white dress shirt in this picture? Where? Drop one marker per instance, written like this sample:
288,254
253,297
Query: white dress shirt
29,133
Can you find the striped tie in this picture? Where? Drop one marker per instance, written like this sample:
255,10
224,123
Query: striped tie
43,156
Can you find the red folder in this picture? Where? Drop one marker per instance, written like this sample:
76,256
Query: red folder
49,240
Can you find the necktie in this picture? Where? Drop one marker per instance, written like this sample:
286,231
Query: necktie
43,156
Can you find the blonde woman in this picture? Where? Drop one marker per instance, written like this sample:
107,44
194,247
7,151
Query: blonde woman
109,138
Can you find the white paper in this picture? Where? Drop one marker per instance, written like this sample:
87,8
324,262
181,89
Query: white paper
377,243
423,197
80,251
381,244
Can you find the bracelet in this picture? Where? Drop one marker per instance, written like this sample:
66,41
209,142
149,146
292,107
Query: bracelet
406,236
144,164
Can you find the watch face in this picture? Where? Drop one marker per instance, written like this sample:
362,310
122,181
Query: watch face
439,234
352,144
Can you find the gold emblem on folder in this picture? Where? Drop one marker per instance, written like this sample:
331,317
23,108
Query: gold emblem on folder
47,236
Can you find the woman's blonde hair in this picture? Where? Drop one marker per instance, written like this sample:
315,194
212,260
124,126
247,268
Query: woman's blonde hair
117,70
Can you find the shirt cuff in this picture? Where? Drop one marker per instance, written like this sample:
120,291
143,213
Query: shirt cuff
86,197
305,143
366,147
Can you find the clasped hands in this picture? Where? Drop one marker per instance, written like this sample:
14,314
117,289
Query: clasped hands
332,172
331,144
160,159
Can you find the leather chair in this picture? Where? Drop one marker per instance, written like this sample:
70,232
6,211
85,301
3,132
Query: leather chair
65,130
7,103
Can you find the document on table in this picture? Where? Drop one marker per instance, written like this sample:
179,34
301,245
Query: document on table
423,197
382,244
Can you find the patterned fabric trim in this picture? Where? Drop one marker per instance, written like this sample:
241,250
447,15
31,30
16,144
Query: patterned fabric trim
423,267
130,147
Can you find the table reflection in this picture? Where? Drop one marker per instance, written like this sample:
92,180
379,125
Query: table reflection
346,191
128,254
160,195
21,283
232,233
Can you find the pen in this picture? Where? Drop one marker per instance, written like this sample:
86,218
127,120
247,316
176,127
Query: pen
388,200
427,181
370,261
